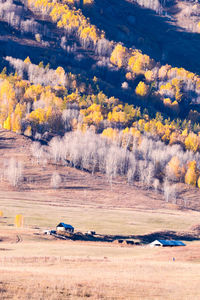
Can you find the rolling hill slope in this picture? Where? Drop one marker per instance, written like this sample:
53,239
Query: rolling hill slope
71,72
99,128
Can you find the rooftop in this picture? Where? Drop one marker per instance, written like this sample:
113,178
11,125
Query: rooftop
171,243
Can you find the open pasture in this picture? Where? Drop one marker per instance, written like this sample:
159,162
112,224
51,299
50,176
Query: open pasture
35,266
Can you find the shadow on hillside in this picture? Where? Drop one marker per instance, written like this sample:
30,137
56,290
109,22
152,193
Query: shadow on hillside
109,80
149,32
148,238
66,188
55,56
160,235
168,235
154,35
3,142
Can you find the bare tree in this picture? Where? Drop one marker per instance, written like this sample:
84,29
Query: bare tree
145,162
156,184
13,171
56,180
169,192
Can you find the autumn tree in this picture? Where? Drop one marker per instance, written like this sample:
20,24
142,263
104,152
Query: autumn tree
19,221
174,170
191,174
118,56
142,89
192,142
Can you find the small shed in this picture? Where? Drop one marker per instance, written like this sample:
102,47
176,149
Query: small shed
166,243
64,227
91,232
48,232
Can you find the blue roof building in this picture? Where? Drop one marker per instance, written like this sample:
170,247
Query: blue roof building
65,227
166,243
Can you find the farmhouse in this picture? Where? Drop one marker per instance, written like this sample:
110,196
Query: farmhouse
64,227
166,243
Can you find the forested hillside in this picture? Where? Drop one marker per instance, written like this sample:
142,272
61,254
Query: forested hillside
103,92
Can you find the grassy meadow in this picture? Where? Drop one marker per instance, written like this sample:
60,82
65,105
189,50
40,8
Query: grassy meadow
35,266
75,270
44,212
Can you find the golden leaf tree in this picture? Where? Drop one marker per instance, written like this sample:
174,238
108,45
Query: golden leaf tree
192,173
192,142
19,221
174,169
118,56
142,89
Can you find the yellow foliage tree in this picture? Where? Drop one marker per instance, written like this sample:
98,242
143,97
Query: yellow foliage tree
1,213
198,26
7,100
147,127
93,117
142,89
177,83
61,73
191,174
174,170
149,76
28,131
166,136
19,221
117,116
129,76
141,124
27,60
198,182
192,142
118,56
110,133
135,133
162,74
38,116
7,123
33,92
140,63
16,123
167,102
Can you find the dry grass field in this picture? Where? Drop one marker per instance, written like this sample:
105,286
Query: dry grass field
42,268
36,266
